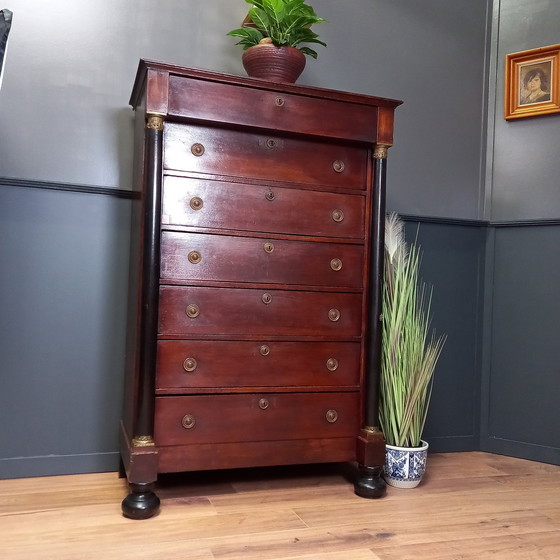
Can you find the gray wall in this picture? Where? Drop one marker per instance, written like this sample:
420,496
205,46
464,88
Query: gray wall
521,376
66,125
525,174
63,289
453,264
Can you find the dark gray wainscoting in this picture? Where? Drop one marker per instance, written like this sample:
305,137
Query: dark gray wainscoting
521,383
453,264
64,275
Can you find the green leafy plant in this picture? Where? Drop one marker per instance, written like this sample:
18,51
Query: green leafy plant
283,22
409,352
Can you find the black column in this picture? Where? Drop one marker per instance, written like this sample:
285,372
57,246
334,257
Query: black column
375,292
150,277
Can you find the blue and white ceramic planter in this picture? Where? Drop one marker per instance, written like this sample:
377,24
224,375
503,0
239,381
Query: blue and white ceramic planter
405,466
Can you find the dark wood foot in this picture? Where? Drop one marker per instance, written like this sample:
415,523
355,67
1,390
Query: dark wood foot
141,503
369,483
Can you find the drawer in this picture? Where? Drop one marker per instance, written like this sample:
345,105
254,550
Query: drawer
203,257
195,311
255,417
196,364
203,100
238,153
213,204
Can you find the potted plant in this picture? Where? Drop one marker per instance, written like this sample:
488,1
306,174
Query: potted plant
272,36
408,359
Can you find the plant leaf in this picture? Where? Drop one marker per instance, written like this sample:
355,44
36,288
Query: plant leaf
249,36
309,52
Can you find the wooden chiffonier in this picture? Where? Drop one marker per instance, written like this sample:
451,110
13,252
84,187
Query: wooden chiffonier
255,278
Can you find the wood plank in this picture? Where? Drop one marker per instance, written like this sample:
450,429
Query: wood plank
471,506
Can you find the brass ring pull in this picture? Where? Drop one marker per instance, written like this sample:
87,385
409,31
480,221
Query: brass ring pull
338,166
336,264
268,248
196,203
332,364
334,315
279,101
192,311
190,364
271,143
266,298
270,196
197,149
338,215
188,421
194,257
263,404
331,416
264,350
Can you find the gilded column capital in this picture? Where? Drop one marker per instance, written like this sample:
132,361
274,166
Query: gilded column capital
143,441
380,151
371,429
154,122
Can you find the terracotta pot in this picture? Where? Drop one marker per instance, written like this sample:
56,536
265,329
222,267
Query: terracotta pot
277,64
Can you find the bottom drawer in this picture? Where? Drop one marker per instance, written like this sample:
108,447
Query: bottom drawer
207,419
213,456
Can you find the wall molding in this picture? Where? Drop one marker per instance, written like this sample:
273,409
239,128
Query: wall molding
68,187
482,223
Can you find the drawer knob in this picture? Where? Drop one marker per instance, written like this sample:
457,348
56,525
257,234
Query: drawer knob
271,143
270,196
334,315
188,421
336,265
263,404
192,311
197,149
279,101
331,416
190,364
338,215
332,364
268,248
264,350
194,257
266,298
338,166
196,203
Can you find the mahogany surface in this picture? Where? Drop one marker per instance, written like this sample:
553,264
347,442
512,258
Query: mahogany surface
246,366
251,276
264,156
271,208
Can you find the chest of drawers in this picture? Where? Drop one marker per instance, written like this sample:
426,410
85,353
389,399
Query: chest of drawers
253,335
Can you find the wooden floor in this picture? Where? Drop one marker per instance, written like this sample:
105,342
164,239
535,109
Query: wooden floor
469,506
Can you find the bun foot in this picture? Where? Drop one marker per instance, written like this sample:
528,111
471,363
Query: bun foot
369,483
141,503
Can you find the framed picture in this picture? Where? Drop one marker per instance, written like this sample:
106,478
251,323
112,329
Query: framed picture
532,85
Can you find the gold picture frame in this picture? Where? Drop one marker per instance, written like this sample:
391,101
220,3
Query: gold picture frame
532,83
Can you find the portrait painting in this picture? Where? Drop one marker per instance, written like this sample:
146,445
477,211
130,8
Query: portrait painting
532,83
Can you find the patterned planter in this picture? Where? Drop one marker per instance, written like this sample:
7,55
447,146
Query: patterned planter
405,466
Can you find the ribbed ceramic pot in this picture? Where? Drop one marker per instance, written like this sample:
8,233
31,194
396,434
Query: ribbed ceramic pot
405,466
277,64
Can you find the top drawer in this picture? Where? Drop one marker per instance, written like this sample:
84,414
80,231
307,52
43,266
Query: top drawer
203,100
237,153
